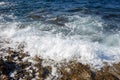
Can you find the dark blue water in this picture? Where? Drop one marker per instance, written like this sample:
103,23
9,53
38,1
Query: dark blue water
109,10
42,10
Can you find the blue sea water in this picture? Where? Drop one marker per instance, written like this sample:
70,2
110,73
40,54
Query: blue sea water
109,10
23,7
64,29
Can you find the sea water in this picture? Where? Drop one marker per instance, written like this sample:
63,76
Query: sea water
85,30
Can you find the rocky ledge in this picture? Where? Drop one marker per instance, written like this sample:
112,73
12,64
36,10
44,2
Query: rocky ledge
17,65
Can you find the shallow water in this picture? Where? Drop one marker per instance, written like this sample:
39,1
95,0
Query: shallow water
67,29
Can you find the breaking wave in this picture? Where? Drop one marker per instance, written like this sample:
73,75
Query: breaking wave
82,38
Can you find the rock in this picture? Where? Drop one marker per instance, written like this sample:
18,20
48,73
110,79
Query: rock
115,70
35,16
4,77
6,67
72,70
75,71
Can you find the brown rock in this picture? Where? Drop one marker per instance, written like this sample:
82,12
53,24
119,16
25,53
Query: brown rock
4,77
76,71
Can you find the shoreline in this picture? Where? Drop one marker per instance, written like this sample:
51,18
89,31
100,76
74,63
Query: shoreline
18,65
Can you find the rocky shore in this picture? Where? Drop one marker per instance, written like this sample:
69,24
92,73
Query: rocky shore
17,65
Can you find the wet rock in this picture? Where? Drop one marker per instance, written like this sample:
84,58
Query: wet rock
43,72
105,74
4,77
75,71
35,16
115,70
6,67
13,67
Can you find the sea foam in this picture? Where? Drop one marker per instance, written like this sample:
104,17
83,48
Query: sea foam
86,42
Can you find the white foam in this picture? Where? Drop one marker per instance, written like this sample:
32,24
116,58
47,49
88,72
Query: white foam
5,4
56,47
2,3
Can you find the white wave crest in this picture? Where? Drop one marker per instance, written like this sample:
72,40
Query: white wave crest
56,47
